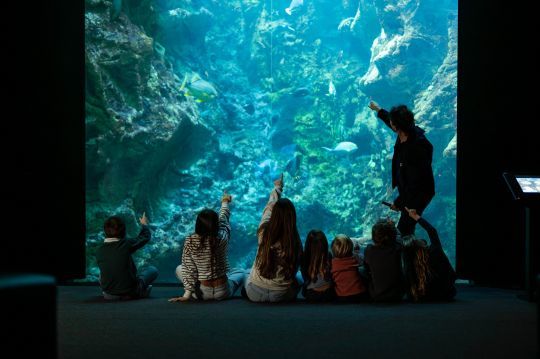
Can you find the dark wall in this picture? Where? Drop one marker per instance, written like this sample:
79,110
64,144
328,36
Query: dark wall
497,131
43,138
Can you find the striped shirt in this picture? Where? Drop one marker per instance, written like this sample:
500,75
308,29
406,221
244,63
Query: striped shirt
197,260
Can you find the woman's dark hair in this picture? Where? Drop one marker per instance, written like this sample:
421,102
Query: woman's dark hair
280,243
315,258
383,232
402,118
115,227
207,227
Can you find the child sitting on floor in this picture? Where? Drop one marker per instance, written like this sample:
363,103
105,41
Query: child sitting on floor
316,263
345,265
118,274
204,258
429,274
383,263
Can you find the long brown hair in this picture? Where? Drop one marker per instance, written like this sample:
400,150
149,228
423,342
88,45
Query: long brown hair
315,259
279,232
417,270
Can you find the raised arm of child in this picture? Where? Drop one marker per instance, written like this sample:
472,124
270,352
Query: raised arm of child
224,231
431,231
144,235
275,195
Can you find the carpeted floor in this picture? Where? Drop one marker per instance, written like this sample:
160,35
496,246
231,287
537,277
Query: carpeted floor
481,323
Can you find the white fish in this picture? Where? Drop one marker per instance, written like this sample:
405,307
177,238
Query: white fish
343,147
451,149
294,4
331,89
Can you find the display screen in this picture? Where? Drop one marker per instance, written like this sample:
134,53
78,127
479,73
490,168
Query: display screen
529,184
188,98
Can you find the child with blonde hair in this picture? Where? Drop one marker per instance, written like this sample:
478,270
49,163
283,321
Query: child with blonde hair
349,286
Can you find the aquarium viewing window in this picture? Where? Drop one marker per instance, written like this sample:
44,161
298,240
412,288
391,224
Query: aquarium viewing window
185,99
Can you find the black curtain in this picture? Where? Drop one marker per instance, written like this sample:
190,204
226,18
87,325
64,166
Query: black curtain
497,132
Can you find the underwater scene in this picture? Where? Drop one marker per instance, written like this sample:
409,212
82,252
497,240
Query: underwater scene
187,98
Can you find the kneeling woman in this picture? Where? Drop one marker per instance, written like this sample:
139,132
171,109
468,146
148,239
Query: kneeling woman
273,276
204,259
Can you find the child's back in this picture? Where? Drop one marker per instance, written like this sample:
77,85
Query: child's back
346,277
345,271
318,285
383,264
118,273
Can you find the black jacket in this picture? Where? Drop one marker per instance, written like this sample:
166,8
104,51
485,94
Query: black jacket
411,168
117,269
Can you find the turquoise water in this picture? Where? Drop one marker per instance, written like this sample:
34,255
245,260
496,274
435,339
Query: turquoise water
187,98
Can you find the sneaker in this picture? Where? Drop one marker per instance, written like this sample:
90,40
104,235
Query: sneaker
108,296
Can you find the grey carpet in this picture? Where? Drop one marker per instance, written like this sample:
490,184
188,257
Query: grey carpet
481,323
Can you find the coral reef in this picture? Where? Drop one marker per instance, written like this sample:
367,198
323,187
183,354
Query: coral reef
273,90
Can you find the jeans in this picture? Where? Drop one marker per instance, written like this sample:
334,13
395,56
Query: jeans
235,281
259,294
145,277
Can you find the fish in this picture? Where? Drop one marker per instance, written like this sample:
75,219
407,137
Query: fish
331,89
288,150
451,148
300,92
269,167
198,88
340,56
294,5
344,147
293,166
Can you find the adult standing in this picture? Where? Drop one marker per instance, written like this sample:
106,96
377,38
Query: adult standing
411,164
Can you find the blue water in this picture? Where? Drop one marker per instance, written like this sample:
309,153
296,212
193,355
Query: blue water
187,98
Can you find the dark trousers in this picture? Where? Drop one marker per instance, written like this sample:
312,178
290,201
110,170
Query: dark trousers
145,277
319,296
406,224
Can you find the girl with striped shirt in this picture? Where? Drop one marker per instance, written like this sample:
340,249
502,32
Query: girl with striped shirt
204,258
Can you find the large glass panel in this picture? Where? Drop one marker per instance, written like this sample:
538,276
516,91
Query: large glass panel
186,98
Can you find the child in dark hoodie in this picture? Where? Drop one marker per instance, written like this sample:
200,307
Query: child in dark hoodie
349,286
119,278
383,263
